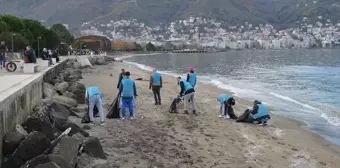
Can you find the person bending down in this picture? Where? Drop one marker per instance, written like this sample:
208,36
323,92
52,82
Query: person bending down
128,92
258,115
189,94
228,102
95,98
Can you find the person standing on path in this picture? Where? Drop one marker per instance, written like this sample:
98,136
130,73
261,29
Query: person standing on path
121,77
156,85
189,94
191,77
128,93
94,97
3,50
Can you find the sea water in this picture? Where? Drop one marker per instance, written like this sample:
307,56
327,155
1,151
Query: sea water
301,84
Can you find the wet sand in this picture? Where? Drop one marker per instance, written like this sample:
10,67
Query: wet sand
160,139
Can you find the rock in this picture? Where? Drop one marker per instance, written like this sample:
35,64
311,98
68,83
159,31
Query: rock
76,65
110,58
86,127
79,137
87,161
86,116
79,90
56,81
101,61
49,91
41,124
68,147
33,145
21,130
68,102
58,110
11,141
61,87
43,159
48,165
102,166
63,124
93,147
69,95
72,78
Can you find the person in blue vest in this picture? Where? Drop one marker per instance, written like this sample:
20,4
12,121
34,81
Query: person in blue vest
128,92
191,77
156,85
258,115
188,93
94,97
226,101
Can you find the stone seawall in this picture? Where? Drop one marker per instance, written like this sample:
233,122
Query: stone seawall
17,102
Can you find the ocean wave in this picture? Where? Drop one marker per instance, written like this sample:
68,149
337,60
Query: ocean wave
293,100
134,55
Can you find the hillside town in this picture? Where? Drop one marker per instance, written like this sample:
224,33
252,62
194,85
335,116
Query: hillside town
197,32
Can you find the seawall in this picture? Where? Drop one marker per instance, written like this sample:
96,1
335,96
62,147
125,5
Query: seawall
17,102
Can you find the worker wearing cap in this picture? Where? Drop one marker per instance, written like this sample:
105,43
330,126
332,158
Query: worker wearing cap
191,77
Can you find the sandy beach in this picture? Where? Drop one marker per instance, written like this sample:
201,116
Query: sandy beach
159,139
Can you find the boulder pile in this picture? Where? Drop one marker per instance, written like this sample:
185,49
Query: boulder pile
48,138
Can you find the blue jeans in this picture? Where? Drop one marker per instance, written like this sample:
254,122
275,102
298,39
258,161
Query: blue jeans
129,102
3,60
226,107
96,100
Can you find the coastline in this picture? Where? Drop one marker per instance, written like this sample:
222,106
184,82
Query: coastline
206,137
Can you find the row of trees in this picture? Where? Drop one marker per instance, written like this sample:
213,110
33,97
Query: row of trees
26,32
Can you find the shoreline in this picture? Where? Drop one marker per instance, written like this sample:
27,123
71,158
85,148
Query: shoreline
207,139
303,124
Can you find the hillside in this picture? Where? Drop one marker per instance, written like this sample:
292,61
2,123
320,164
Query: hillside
74,12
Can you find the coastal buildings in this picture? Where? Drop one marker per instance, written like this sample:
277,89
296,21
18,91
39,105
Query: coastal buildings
209,33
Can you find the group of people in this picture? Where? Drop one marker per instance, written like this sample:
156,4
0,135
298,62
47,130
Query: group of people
29,55
128,92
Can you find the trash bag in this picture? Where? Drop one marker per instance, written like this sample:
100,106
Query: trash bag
86,117
114,111
173,106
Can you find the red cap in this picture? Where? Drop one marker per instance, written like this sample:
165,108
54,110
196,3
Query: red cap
191,69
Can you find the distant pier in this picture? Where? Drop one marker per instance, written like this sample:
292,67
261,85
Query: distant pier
189,51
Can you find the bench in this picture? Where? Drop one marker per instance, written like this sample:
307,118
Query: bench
42,62
30,67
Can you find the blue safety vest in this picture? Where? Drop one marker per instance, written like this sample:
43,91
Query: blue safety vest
187,85
262,111
93,90
192,78
222,98
128,89
156,78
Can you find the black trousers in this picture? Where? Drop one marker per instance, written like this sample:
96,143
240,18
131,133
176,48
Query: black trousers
156,93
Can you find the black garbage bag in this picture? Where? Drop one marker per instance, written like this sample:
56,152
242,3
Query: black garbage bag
173,106
114,111
86,117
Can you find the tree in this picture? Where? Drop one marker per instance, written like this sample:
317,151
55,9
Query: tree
51,39
19,41
63,33
28,35
77,44
3,26
150,47
14,24
138,47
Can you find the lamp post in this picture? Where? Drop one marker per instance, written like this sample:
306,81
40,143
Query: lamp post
38,47
13,42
